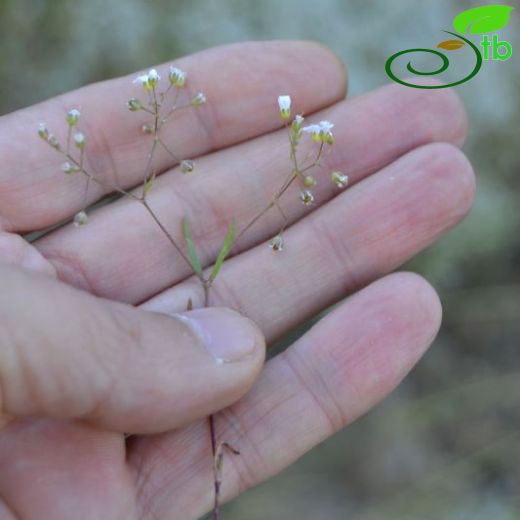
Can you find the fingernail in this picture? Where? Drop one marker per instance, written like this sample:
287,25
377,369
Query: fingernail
225,334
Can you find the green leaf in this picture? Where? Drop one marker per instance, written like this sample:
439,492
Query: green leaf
148,184
228,241
192,252
484,19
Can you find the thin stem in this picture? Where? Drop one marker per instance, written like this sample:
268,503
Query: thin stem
163,95
85,199
148,171
274,202
218,457
206,284
167,234
316,160
284,216
112,187
253,221
172,109
102,183
147,110
295,172
172,155
155,103
148,167
69,135
216,479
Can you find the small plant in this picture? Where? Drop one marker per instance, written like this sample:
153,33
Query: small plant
162,101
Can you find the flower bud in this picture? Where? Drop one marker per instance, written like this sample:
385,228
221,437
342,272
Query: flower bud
134,105
284,105
53,141
296,128
153,78
187,166
177,77
73,117
339,179
43,131
306,197
198,100
309,181
80,219
148,81
69,168
79,140
276,243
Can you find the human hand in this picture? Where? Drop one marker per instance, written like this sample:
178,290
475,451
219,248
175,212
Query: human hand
90,369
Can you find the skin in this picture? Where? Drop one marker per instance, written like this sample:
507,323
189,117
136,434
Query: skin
83,359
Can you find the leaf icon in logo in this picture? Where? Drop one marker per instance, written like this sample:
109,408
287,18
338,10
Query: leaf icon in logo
484,19
451,45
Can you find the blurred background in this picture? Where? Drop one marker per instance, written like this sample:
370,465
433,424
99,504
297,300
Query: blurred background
446,443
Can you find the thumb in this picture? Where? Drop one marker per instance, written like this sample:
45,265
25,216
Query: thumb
67,354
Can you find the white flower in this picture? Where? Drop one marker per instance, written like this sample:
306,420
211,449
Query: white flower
321,132
284,105
79,140
198,99
326,126
148,81
339,179
43,131
312,129
73,117
153,77
177,77
326,130
143,79
296,129
66,167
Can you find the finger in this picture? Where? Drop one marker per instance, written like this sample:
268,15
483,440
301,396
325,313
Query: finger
361,235
15,250
347,363
113,365
372,131
62,470
33,194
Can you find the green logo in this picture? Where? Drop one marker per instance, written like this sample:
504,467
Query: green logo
480,20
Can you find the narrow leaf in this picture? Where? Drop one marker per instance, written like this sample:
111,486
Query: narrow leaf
148,184
451,45
192,252
228,242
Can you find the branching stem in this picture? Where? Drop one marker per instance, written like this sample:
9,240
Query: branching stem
156,102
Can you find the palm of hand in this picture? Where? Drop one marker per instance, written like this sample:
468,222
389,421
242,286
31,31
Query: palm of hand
409,189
